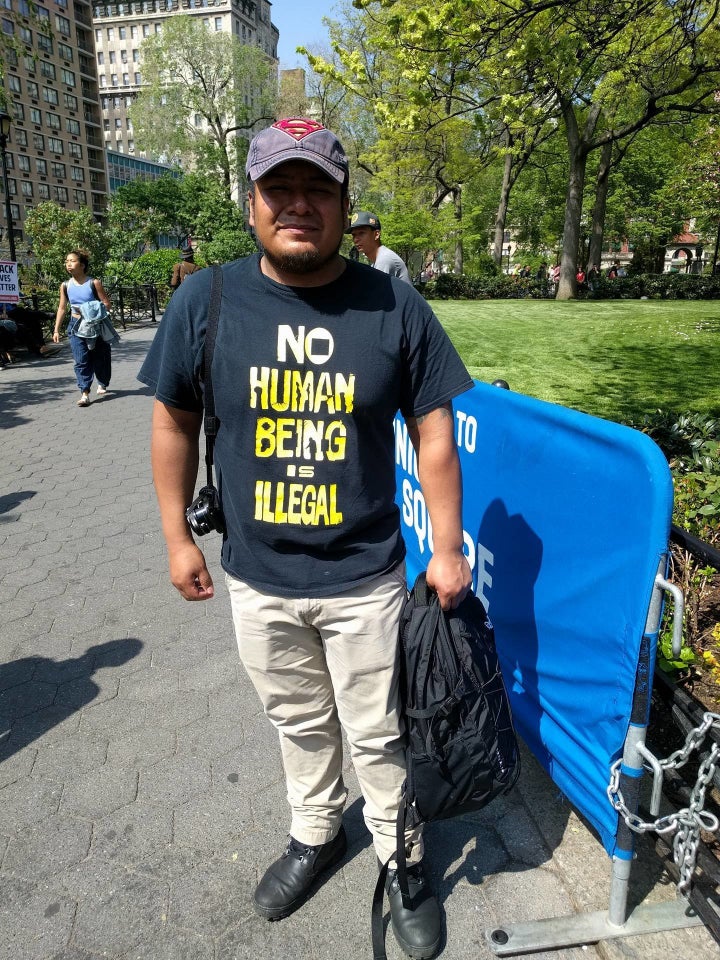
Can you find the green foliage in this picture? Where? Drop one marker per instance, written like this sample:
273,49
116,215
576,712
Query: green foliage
189,72
55,231
690,441
666,660
228,245
155,266
486,286
141,210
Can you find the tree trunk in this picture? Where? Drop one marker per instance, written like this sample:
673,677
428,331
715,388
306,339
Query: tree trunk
457,199
577,154
501,215
598,215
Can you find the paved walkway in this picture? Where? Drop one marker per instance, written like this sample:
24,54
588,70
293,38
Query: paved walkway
141,790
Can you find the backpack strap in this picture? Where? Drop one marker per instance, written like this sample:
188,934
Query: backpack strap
210,421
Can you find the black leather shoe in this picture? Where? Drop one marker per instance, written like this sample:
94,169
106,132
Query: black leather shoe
288,881
416,929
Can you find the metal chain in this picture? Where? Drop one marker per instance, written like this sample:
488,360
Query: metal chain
688,822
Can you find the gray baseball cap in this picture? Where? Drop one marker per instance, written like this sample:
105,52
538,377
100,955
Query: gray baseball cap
296,138
362,218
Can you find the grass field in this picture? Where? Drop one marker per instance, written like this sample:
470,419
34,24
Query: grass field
613,359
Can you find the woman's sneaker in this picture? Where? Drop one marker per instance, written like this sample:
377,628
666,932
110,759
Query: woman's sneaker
84,400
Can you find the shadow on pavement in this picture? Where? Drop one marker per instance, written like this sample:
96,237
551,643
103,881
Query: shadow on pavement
38,693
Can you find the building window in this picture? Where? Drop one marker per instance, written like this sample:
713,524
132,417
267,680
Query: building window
77,174
63,25
52,120
47,70
102,80
218,23
122,33
113,80
123,56
25,35
41,166
26,188
75,151
128,123
23,162
43,190
79,196
65,51
32,89
38,141
133,32
35,116
44,43
111,33
58,170
118,123
23,8
50,96
138,79
98,36
158,28
55,145
128,102
18,111
101,58
70,101
136,56
20,137
29,63
8,27
111,56
106,125
60,194
14,84
105,101
126,79
131,146
67,77
146,29
72,126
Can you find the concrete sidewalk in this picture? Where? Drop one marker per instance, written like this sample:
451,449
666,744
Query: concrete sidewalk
141,788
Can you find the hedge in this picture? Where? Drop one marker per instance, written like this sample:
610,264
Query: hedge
660,286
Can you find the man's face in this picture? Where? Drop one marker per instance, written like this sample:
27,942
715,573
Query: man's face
366,239
299,214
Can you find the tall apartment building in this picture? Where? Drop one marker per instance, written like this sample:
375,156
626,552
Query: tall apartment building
56,149
120,28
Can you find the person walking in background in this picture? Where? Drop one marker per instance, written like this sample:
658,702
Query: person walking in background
92,357
313,552
185,267
365,230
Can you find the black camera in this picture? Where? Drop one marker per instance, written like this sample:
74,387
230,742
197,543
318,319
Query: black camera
205,514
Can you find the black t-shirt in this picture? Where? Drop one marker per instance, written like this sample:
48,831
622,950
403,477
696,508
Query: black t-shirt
307,382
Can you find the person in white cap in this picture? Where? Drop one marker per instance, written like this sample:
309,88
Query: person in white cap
314,356
365,229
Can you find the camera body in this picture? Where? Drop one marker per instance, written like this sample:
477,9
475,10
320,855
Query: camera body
205,513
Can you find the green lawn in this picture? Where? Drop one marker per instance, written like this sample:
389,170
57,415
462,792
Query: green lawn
614,359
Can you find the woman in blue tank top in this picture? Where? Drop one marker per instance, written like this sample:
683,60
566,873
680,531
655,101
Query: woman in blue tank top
92,357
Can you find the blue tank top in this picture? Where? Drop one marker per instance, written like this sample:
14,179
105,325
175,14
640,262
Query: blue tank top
80,293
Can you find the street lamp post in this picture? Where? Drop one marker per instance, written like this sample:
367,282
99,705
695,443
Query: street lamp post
5,123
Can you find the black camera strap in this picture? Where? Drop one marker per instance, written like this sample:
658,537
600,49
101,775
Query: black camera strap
210,421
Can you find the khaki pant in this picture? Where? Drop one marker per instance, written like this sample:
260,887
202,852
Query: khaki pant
321,665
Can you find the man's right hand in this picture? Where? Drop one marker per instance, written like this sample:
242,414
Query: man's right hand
189,574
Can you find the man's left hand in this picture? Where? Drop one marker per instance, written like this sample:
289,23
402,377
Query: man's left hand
449,576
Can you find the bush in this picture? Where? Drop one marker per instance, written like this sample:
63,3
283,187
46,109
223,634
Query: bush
662,286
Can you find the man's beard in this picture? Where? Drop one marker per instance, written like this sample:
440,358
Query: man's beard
308,261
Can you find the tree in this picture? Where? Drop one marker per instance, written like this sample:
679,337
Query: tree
203,93
140,211
55,231
605,70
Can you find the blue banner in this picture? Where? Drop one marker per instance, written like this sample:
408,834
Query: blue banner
566,519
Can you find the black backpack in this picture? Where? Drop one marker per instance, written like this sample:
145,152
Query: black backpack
461,747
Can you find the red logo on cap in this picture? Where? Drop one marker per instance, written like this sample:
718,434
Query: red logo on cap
298,127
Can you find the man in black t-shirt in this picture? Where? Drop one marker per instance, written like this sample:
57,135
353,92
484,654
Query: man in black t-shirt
314,356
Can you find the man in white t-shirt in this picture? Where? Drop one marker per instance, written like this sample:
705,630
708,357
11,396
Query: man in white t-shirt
365,230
